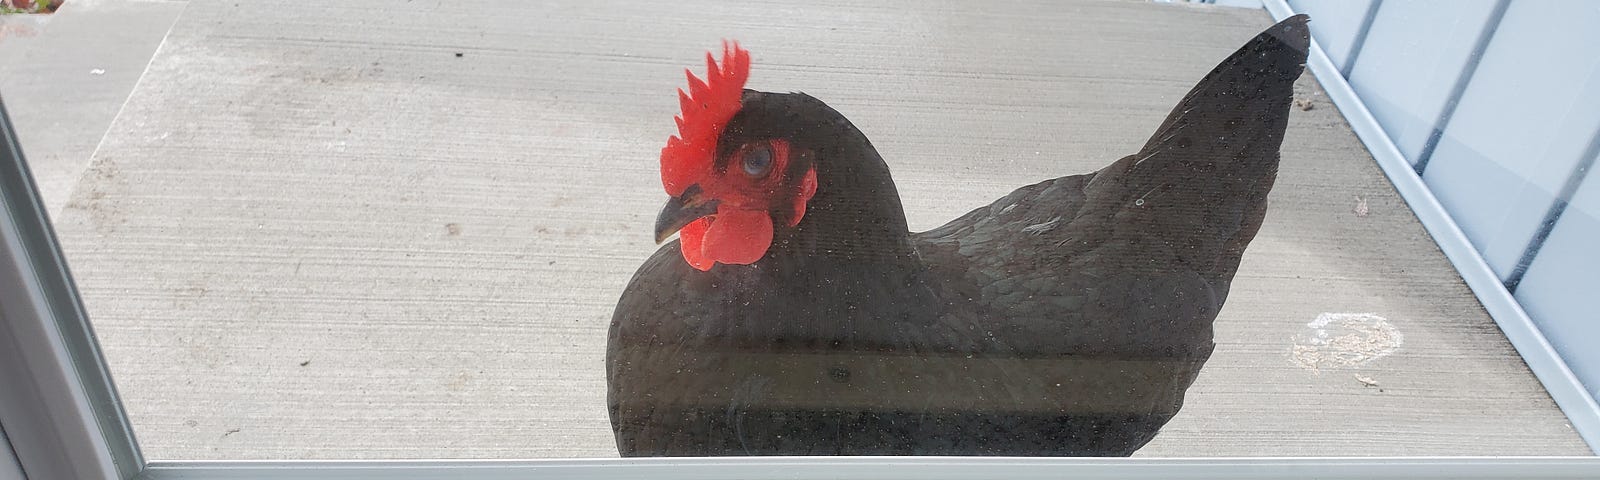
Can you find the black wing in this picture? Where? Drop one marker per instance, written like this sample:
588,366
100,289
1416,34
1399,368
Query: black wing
1120,273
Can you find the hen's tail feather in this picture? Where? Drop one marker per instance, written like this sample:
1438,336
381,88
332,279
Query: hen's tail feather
1197,190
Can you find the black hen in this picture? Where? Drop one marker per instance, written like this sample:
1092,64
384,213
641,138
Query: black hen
1067,318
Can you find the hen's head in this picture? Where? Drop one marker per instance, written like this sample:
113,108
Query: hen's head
732,175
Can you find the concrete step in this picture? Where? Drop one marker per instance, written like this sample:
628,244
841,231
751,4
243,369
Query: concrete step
64,76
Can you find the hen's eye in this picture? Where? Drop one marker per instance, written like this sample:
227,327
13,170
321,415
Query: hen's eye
757,161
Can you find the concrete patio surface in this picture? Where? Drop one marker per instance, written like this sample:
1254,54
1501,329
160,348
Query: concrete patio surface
369,229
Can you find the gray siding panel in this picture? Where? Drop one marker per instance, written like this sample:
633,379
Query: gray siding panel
1559,288
1416,49
1521,127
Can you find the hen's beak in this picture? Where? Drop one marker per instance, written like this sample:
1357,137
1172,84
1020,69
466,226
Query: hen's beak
681,211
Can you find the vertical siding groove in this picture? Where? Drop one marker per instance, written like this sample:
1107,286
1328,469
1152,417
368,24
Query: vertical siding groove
1460,87
1361,38
1557,207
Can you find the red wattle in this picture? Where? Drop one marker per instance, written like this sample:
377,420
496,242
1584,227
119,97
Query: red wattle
738,236
691,239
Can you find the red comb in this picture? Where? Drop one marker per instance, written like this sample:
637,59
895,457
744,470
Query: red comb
707,107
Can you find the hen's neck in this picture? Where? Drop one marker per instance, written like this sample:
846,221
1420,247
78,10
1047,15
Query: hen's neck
856,214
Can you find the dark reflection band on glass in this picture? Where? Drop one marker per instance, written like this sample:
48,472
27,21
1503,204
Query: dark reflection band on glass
925,468
52,346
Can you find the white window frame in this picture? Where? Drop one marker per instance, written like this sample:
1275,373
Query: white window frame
60,417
